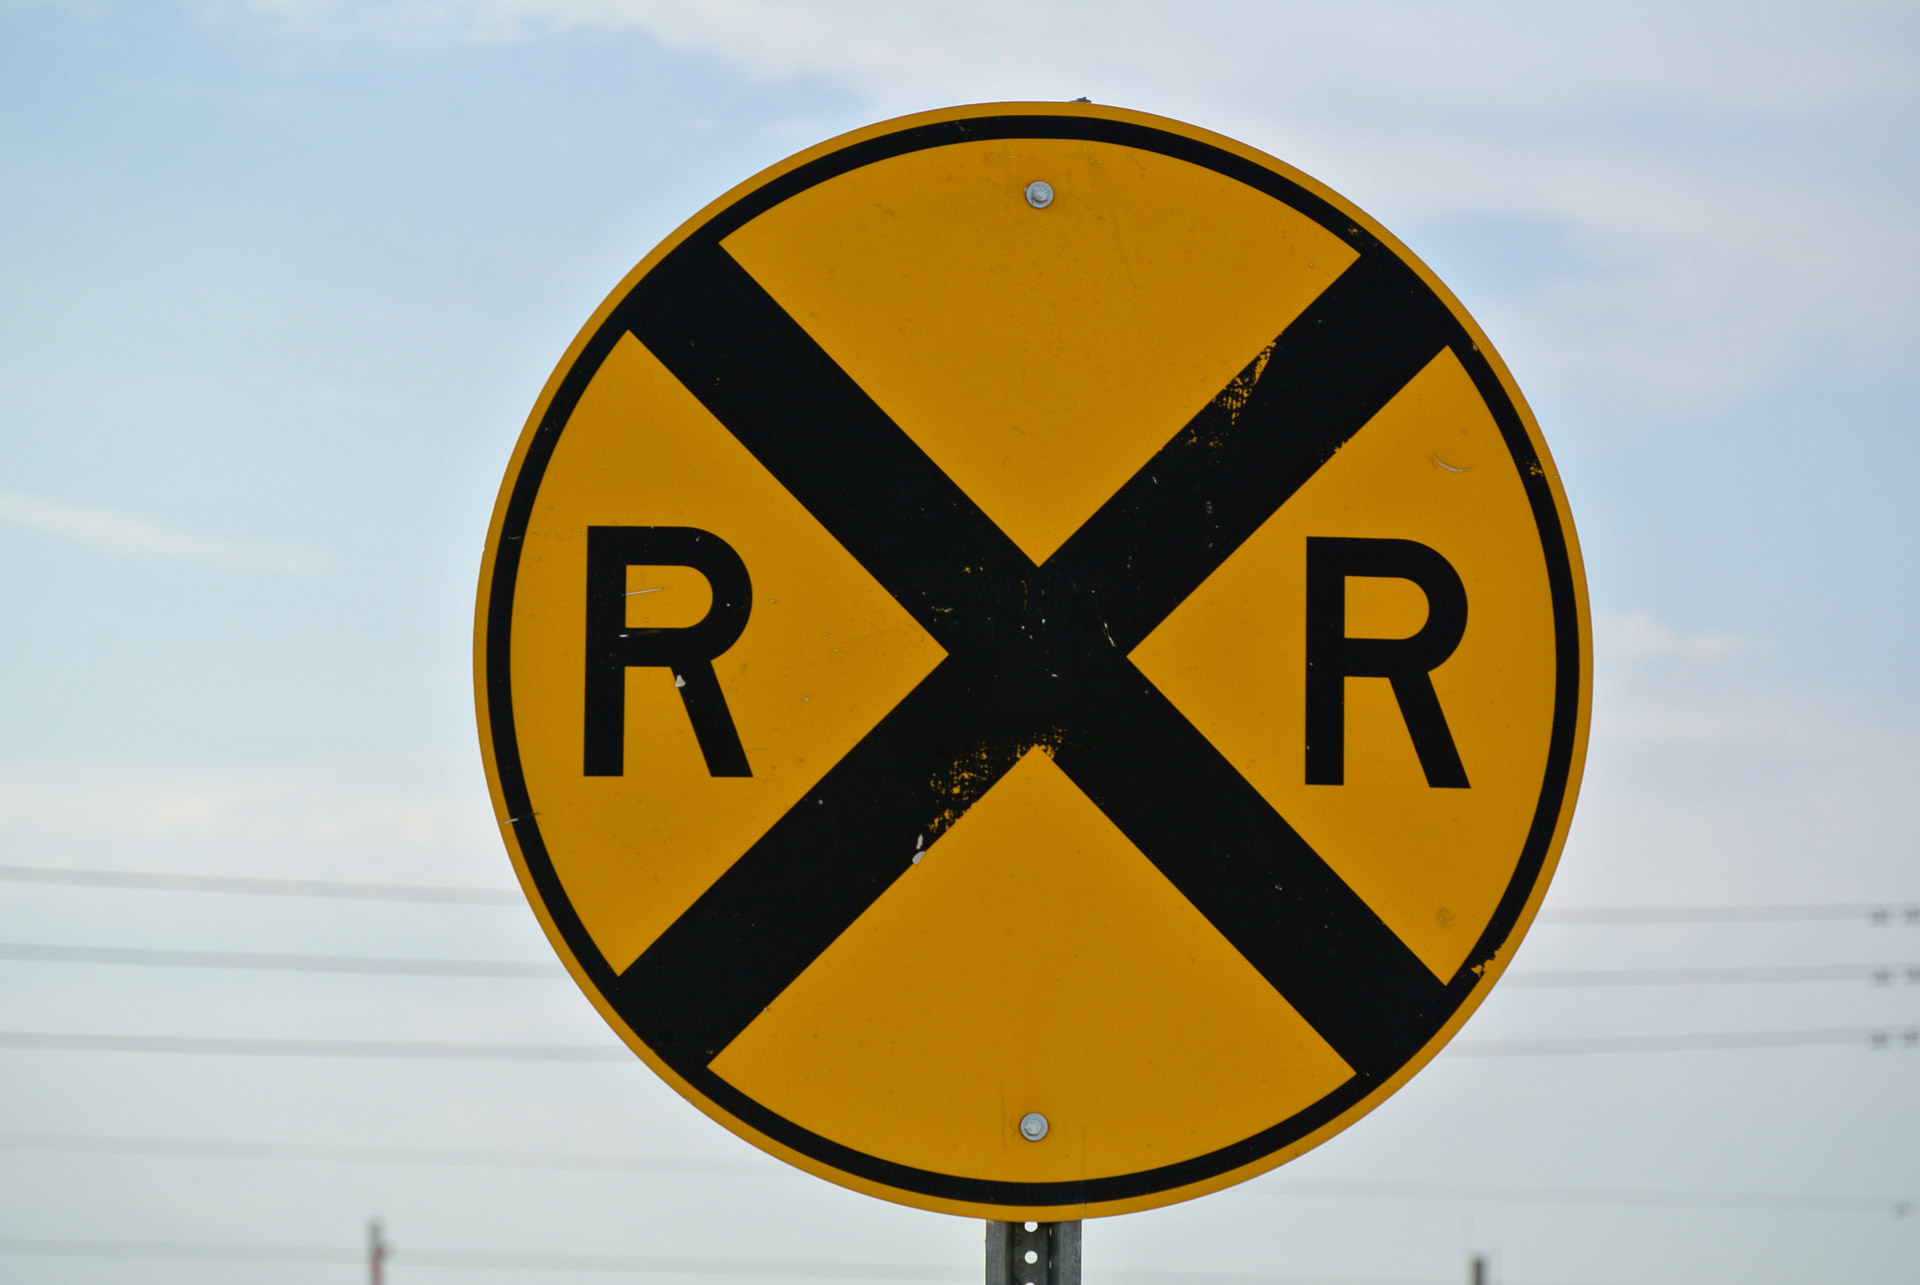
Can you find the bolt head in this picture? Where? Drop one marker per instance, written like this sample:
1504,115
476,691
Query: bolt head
1033,1126
1039,194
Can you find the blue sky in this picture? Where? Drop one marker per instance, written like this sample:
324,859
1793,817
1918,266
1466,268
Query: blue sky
280,281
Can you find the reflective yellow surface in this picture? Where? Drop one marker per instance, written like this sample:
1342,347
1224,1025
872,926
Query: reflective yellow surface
825,653
1039,356
1432,863
1033,959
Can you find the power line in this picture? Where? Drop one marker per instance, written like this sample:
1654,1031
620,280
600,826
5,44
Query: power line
497,1260
590,1162
252,1046
402,966
576,1262
462,1051
265,961
1877,1038
1880,913
243,1253
176,1252
262,886
342,1153
1644,1197
1879,975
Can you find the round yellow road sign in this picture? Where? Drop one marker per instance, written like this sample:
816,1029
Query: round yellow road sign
1032,661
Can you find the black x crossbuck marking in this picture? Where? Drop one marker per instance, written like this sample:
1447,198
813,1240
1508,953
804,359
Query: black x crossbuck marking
1036,656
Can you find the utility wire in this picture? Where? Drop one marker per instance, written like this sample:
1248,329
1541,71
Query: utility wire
1876,1038
1651,1198
228,1253
402,966
152,1250
262,886
1871,912
1878,914
496,1260
462,1051
265,961
590,1162
253,1046
1879,975
341,1153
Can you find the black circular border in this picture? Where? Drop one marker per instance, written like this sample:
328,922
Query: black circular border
498,617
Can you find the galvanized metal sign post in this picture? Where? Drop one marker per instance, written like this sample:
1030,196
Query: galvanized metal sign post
1036,560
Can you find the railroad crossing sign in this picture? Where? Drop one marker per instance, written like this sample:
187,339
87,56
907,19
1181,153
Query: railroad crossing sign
1032,661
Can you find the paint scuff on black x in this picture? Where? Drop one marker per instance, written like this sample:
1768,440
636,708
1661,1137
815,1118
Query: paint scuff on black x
1036,656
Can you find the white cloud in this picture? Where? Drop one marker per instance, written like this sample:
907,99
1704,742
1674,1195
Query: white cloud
124,533
1767,58
1675,723
1720,170
381,818
1644,636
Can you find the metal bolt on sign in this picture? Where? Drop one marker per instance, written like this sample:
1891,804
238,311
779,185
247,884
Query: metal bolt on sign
1228,605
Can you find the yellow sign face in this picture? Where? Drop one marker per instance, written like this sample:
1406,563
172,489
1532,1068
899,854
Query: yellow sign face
1033,662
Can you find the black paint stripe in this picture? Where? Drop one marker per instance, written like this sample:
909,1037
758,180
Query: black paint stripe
1250,873
812,426
497,653
1147,138
499,656
988,1191
1556,775
817,431
1213,485
804,882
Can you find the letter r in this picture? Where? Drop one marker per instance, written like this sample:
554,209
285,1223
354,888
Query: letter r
1408,663
689,652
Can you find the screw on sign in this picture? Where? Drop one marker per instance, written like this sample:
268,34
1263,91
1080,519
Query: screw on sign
1033,662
